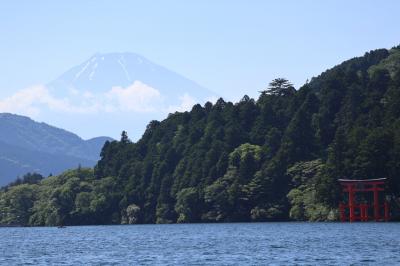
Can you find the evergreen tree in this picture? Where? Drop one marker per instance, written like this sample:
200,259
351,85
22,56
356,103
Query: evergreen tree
279,87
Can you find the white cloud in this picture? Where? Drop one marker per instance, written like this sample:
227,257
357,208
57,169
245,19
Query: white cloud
28,101
88,95
31,101
187,102
138,97
73,91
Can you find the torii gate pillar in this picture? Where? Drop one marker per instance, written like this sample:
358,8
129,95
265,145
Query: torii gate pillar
358,211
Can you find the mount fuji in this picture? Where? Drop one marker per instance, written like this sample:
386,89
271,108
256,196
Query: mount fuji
102,72
112,92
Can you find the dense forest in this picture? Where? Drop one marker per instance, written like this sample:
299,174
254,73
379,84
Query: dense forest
271,159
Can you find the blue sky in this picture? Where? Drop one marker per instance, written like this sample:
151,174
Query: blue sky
231,47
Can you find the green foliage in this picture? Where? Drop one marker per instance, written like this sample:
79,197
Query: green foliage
271,159
16,204
187,205
280,87
29,178
131,215
305,205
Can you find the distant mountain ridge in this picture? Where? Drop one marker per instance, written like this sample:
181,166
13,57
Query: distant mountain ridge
29,146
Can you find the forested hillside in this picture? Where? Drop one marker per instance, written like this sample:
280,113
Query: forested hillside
274,158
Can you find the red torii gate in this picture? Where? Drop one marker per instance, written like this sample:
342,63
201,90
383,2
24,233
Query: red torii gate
358,211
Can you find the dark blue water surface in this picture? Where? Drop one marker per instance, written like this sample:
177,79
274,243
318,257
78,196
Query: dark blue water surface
205,244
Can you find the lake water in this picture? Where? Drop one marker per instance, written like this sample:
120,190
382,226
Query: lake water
205,244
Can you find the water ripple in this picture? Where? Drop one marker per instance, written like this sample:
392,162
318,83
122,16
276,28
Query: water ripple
204,244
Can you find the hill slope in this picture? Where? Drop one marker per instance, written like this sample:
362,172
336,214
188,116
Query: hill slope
275,158
28,146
